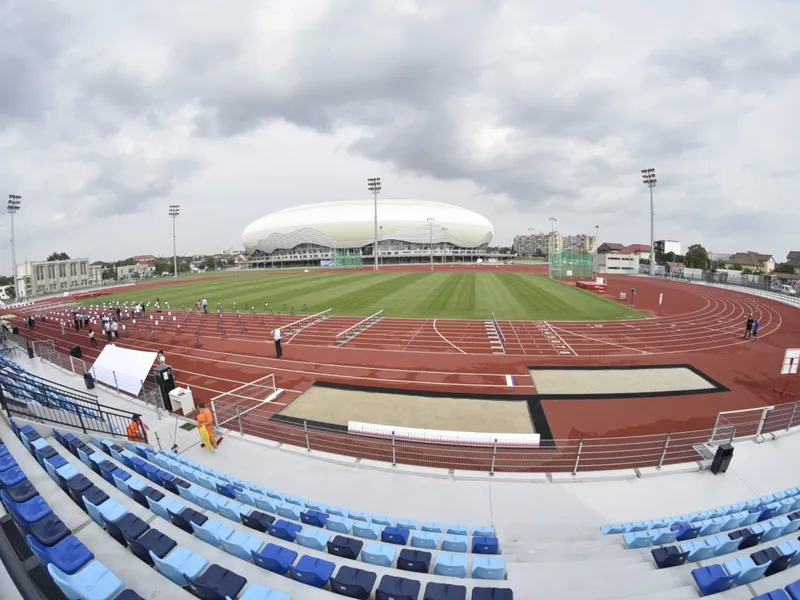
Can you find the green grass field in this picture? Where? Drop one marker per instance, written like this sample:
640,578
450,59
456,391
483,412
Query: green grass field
456,295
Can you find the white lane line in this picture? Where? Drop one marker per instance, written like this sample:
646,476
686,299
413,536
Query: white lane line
445,339
510,380
560,338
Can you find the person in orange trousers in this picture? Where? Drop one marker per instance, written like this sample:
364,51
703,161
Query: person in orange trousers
205,423
137,430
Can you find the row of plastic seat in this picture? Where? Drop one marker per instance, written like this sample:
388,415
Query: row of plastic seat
251,490
71,565
232,500
250,547
778,503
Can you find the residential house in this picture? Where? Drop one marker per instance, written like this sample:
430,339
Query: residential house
793,259
755,261
616,263
639,250
607,247
137,271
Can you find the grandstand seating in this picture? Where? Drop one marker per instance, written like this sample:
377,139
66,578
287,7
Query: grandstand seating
85,475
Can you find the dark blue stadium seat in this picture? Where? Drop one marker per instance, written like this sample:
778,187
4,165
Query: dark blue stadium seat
69,555
417,561
766,514
128,595
152,541
749,539
793,589
146,492
312,571
49,531
95,495
284,530
173,484
395,535
106,469
275,558
794,516
76,486
345,547
257,520
778,562
397,588
186,516
216,583
686,532
353,583
773,595
668,556
488,593
314,518
129,526
45,453
227,489
444,591
22,491
485,545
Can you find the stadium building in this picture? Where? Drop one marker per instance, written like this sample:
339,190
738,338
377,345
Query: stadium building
343,234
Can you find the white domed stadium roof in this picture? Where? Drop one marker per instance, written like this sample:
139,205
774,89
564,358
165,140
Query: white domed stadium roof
350,224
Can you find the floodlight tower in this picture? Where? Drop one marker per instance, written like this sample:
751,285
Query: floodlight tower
444,248
174,211
530,243
374,186
14,202
551,245
649,179
430,223
596,238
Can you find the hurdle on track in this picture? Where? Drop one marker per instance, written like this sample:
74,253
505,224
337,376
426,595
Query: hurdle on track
499,332
297,326
233,405
351,332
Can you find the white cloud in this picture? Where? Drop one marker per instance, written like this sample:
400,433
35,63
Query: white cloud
518,109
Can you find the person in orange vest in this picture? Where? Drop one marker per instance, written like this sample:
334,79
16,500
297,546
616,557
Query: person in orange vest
137,430
205,426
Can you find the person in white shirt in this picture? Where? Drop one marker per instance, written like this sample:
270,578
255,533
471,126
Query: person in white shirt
205,306
115,329
276,335
162,360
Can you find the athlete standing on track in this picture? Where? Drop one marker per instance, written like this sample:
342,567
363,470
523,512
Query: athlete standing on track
748,328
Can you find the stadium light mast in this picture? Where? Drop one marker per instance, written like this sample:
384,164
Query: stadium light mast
649,179
174,211
596,238
444,249
374,186
430,223
550,246
381,259
530,243
14,202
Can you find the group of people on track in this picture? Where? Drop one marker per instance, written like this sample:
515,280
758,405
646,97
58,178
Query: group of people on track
751,328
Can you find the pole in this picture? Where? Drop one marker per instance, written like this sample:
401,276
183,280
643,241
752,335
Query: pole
375,195
14,261
652,236
174,249
430,222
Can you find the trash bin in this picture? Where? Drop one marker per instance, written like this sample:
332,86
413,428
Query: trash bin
76,351
30,351
88,380
722,459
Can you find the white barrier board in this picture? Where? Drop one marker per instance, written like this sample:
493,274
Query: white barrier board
435,436
123,369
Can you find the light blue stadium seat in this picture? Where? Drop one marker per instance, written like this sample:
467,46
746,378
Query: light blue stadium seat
732,521
433,527
454,543
772,529
378,554
242,544
134,483
338,511
664,536
276,496
246,497
745,570
791,527
369,531
408,524
318,506
637,539
316,539
232,509
256,591
93,582
698,550
384,520
265,503
212,532
723,544
360,516
209,502
488,567
457,530
110,510
312,571
788,547
164,506
612,529
711,526
424,539
122,485
179,562
339,524
450,565
301,502
288,510
485,531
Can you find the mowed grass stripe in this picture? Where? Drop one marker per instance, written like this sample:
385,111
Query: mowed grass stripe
421,294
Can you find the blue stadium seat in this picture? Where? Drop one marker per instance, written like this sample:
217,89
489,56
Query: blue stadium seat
143,494
128,526
454,543
417,561
339,524
216,583
259,592
185,517
424,539
28,512
790,547
395,535
275,558
6,462
672,556
776,562
11,476
433,527
483,531
444,591
384,520
110,509
357,515
745,569
378,554
488,567
93,582
485,545
128,595
76,486
178,564
315,539
314,517
484,593
397,588
212,532
257,520
226,489
369,531
69,555
49,531
713,579
163,507
408,524
457,530
22,492
353,583
288,510
747,538
94,495
242,544
793,589
152,541
284,530
312,571
232,510
345,547
450,565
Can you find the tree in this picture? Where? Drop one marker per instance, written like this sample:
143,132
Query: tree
210,263
58,256
784,268
736,267
696,257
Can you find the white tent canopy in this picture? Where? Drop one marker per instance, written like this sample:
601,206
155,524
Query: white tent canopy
123,369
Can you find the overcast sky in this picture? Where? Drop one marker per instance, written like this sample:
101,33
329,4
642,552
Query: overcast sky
521,110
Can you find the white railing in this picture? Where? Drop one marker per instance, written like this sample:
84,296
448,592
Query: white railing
351,332
777,296
300,324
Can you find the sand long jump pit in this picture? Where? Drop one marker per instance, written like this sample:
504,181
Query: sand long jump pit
621,382
414,416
